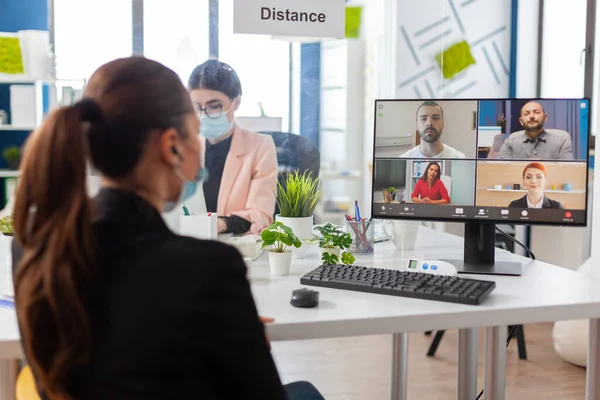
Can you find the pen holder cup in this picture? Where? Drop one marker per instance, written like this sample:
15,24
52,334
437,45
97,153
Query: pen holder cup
199,226
363,236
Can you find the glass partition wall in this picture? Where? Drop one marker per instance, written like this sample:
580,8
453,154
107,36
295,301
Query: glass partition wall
324,90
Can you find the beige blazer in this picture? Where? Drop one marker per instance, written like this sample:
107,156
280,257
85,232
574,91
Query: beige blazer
249,179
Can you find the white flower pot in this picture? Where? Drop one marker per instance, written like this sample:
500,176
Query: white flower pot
303,228
336,250
280,263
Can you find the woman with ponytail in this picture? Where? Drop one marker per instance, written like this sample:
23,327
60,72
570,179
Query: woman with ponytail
111,303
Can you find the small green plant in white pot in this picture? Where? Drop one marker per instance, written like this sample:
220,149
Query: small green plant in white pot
297,198
12,155
7,230
278,237
332,242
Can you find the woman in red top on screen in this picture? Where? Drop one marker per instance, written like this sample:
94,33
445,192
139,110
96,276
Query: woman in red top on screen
429,188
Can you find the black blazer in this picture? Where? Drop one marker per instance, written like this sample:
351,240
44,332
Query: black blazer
173,317
548,203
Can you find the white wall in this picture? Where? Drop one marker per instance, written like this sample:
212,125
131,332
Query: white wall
563,76
463,182
427,27
527,39
564,40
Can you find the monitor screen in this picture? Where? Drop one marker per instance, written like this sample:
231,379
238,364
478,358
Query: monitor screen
513,161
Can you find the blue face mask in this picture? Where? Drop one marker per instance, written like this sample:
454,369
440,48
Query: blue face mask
187,190
214,128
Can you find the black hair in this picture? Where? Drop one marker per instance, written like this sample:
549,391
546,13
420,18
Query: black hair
430,103
216,75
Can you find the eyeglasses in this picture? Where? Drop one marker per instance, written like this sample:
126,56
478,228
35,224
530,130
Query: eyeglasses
212,111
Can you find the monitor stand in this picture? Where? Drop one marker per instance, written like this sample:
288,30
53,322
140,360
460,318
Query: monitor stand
480,253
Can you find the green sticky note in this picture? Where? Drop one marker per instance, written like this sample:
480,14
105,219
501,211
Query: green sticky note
353,15
455,59
11,59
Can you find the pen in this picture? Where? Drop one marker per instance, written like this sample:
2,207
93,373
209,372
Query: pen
359,234
7,304
356,211
185,210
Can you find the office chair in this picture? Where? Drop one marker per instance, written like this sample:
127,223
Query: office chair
519,334
497,145
25,387
295,153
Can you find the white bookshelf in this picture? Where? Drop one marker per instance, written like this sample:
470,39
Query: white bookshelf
57,90
4,79
16,128
7,173
545,191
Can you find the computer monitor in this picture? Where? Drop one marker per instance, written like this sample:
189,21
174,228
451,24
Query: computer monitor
482,162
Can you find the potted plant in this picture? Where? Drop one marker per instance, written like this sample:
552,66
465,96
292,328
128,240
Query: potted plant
12,155
297,198
279,237
7,230
501,122
392,191
332,243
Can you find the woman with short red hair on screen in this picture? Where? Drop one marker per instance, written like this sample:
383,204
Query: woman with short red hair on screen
534,181
429,188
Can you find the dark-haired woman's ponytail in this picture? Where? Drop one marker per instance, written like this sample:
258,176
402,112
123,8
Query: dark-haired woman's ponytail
55,277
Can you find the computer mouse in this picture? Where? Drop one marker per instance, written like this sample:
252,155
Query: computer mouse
305,298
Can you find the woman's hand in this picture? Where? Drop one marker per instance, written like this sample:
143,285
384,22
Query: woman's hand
221,225
266,320
426,200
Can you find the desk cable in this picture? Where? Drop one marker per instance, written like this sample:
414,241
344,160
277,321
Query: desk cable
506,235
532,256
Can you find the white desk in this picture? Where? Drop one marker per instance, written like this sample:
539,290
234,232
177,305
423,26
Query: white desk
544,293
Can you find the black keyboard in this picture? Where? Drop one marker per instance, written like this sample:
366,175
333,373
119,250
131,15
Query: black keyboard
392,282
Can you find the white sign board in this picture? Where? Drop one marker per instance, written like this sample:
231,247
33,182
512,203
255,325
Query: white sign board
314,18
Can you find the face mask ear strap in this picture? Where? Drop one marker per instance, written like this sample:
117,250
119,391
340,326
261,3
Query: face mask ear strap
203,175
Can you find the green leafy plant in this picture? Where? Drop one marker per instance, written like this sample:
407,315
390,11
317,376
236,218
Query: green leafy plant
12,154
6,225
298,195
280,237
391,189
333,237
330,258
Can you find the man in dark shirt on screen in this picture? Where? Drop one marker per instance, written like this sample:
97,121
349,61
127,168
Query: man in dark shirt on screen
534,142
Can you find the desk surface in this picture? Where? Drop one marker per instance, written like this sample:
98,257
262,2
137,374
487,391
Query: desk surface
543,293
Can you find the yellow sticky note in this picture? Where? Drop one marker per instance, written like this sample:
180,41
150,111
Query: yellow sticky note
11,59
353,15
455,59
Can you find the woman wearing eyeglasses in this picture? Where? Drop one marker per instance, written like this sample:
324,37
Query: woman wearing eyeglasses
242,165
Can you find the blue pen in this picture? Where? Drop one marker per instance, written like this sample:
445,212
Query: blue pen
185,210
356,211
7,304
